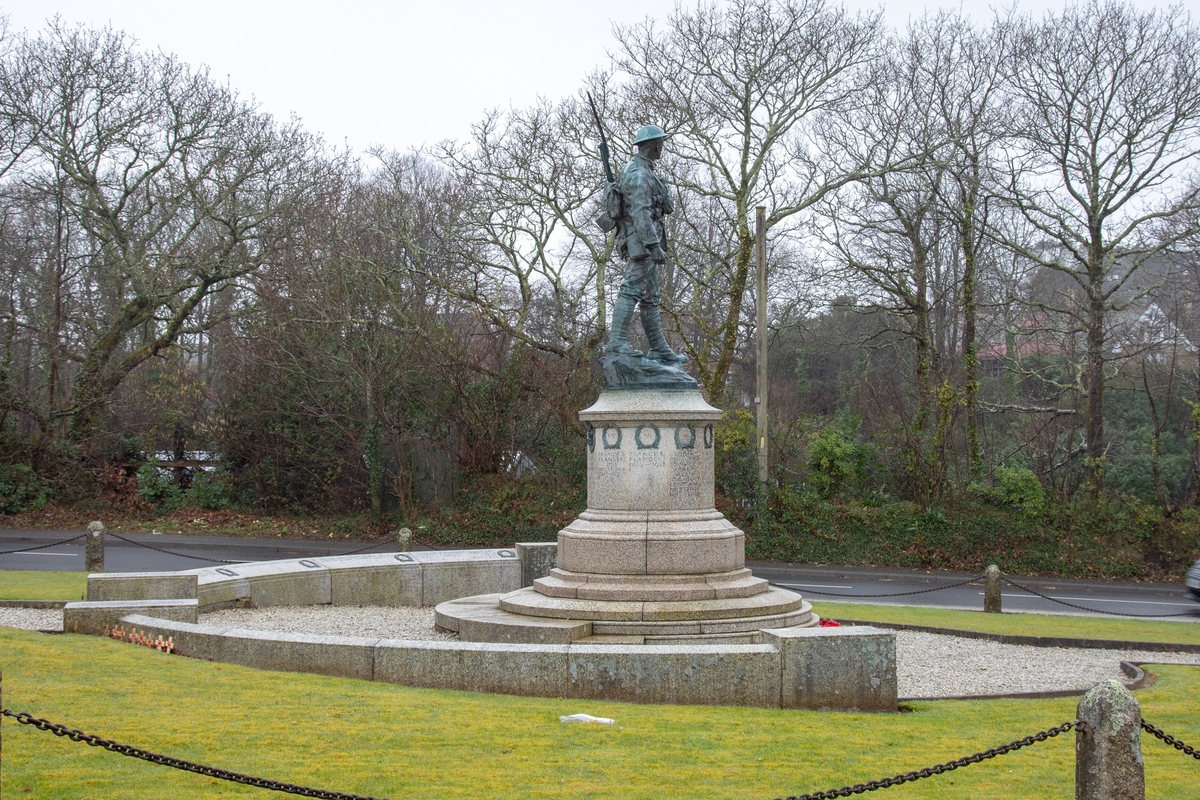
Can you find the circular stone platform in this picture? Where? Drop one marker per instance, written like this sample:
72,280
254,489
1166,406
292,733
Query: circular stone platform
538,619
651,559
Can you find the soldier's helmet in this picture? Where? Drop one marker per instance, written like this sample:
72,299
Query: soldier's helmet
649,133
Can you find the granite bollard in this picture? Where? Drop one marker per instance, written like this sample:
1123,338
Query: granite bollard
93,550
991,590
1108,745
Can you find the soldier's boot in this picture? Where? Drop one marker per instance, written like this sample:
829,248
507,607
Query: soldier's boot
618,337
660,351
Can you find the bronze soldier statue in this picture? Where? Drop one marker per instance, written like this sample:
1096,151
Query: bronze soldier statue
642,241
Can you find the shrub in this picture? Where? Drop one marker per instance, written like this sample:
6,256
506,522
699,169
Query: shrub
120,490
21,489
208,492
1014,486
156,489
497,510
835,457
736,456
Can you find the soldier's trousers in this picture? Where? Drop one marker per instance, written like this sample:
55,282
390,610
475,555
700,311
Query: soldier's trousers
641,282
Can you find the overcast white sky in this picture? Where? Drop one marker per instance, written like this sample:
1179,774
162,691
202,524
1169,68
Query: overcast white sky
399,74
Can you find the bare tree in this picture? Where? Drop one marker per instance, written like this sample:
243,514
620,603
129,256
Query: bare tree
528,189
960,66
174,188
524,253
753,94
1106,102
15,132
896,243
345,322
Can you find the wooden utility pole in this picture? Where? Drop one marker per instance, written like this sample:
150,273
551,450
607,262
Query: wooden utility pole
760,385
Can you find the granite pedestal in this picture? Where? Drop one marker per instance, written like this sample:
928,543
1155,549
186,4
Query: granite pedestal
651,559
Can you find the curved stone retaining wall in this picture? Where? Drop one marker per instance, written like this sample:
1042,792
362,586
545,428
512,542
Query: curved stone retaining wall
824,668
838,669
375,579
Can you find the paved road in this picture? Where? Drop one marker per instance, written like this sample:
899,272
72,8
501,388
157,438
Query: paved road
1113,597
190,551
815,582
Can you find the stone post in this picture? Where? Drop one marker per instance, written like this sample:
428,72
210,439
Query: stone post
1108,746
404,540
851,667
94,548
991,590
537,559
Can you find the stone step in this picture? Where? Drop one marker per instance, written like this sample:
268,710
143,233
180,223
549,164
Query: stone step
690,629
530,602
650,588
748,637
610,639
480,619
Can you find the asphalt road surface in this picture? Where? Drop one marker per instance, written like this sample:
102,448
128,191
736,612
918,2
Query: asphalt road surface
910,588
185,551
843,584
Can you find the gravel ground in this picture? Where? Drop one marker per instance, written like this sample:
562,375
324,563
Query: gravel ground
32,619
370,621
929,665
932,665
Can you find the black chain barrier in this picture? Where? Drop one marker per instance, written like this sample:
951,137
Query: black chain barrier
938,769
178,763
308,791
1171,740
221,560
368,547
1093,610
44,546
170,552
976,579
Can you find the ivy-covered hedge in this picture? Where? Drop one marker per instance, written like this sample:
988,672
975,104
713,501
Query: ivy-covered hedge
1009,524
1121,538
498,510
1117,539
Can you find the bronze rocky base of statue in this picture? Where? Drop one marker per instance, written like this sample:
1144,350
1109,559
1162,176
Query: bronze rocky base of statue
626,371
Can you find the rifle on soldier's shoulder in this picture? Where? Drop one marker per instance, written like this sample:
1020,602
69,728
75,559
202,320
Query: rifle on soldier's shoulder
608,173
613,203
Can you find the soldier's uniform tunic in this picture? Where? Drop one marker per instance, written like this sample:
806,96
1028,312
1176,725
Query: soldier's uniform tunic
642,229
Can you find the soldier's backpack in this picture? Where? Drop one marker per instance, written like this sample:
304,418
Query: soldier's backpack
612,207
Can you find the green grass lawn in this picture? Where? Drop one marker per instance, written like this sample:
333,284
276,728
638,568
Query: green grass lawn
396,742
18,584
1140,630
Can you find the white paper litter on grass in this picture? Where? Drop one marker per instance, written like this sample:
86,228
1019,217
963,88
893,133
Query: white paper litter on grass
587,718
